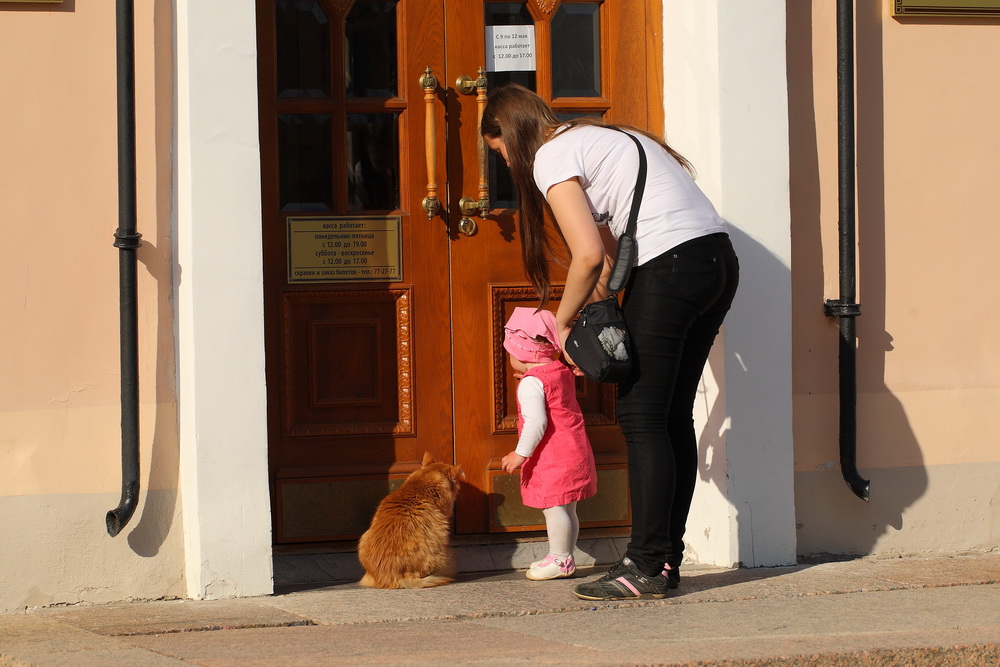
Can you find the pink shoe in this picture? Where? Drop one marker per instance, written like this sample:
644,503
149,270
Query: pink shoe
551,567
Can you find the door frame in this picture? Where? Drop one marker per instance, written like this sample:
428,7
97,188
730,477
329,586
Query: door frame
223,470
222,425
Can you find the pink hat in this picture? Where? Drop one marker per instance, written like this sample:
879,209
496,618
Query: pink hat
524,325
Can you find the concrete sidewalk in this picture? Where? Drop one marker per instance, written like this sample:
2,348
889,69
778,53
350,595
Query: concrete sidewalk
901,611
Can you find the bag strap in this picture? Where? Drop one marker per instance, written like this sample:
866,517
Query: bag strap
625,254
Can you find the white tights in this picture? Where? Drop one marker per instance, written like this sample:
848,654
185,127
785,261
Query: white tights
563,528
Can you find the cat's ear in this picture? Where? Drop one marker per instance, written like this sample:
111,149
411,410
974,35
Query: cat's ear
428,459
459,473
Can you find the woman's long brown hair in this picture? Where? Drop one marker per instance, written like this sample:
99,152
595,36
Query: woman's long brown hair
525,122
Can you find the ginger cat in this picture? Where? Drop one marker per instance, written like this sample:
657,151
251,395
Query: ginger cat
407,544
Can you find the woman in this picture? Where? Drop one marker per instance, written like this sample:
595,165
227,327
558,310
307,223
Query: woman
583,173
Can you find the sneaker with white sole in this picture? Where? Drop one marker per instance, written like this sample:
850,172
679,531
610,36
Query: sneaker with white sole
551,567
623,581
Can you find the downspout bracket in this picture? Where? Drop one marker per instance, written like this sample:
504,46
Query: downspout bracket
127,241
837,308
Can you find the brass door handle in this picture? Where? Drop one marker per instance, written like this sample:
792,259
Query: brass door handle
468,206
484,185
467,86
431,204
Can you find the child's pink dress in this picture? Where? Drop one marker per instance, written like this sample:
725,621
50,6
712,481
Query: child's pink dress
561,469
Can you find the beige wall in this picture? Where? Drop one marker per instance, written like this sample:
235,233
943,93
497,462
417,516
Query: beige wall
60,437
928,369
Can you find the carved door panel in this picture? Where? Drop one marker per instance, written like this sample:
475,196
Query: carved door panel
383,323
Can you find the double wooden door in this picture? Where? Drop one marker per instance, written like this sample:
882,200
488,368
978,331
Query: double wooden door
384,314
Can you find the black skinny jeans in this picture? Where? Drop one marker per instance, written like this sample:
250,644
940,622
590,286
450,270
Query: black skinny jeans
674,306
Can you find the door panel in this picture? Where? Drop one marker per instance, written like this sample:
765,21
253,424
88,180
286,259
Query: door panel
365,374
358,370
488,279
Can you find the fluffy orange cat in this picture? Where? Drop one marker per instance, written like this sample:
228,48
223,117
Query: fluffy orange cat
407,543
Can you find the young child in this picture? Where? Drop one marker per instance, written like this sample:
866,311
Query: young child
553,452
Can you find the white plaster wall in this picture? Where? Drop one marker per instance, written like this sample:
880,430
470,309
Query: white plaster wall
56,550
725,93
219,283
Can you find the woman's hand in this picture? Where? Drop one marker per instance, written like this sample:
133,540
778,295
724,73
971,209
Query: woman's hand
563,336
512,462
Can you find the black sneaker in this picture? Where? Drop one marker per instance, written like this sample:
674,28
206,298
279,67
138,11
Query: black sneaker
624,581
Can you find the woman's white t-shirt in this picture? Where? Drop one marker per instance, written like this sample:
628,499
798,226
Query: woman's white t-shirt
606,162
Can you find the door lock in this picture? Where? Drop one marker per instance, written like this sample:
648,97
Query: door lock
467,226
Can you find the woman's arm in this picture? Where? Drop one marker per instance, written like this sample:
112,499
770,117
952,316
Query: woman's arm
572,214
610,249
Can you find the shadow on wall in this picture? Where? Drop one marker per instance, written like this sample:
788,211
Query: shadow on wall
829,518
158,502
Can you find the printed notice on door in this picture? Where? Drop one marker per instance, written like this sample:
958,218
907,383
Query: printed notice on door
350,249
510,48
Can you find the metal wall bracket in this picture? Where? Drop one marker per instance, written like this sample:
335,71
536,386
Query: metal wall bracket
837,308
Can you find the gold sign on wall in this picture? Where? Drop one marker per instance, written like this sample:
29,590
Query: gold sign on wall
345,249
946,7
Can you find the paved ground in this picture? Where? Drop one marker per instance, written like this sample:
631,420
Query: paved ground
902,611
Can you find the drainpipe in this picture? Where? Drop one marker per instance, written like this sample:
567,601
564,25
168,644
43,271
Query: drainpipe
845,308
127,240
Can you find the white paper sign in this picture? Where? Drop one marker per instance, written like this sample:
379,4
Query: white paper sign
510,48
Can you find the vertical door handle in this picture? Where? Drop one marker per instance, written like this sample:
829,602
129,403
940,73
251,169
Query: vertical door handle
430,203
484,185
467,86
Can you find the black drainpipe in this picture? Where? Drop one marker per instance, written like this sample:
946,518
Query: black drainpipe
127,240
845,308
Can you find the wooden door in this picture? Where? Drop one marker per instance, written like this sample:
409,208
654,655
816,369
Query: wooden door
383,324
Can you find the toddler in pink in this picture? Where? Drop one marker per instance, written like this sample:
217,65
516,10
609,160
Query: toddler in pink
553,452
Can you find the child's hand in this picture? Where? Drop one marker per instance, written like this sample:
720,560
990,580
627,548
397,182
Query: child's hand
512,462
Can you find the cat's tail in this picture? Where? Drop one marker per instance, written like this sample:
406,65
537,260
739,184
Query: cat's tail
426,582
422,582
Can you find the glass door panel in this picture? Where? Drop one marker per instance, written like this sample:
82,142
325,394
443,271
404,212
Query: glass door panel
576,50
370,62
305,159
303,49
373,161
505,14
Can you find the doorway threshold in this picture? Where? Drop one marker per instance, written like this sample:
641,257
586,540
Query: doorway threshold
310,566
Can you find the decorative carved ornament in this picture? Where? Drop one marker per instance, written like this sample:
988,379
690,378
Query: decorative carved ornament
337,9
546,6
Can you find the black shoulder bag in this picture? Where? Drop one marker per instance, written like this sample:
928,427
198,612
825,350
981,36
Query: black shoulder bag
599,341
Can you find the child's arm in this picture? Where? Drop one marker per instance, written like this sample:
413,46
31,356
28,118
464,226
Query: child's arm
531,397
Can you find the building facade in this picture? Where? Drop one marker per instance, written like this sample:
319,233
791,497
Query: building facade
278,405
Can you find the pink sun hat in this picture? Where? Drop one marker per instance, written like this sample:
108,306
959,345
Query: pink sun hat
524,325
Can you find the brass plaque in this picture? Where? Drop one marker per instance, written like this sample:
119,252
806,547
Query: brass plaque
345,249
946,8
608,508
324,509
